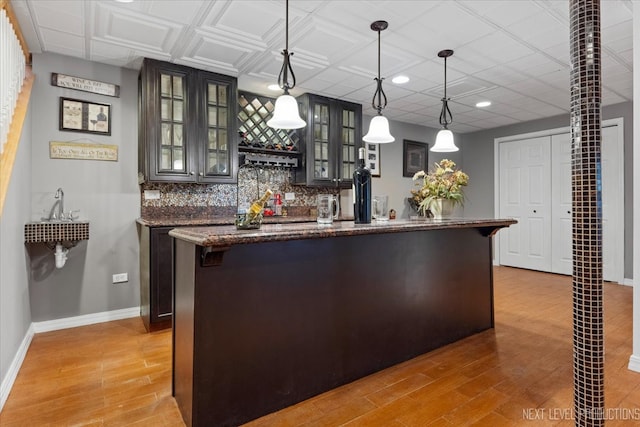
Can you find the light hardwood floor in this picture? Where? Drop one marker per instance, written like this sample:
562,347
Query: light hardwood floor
518,374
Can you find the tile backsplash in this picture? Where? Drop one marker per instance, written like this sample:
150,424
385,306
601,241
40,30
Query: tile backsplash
191,200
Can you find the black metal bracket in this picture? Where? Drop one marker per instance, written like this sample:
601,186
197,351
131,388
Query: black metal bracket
211,257
491,230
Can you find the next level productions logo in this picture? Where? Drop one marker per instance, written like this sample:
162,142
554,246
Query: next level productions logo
558,414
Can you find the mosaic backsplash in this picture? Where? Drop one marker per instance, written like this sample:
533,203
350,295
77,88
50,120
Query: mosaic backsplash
189,200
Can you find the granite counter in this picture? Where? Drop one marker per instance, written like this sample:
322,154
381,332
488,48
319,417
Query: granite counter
222,236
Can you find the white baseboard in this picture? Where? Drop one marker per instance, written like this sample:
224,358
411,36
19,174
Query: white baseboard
87,319
54,325
634,363
14,368
626,281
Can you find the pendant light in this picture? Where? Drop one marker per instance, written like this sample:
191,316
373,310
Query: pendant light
444,139
286,114
379,126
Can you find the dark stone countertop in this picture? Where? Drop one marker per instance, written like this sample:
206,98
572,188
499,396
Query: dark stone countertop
217,221
227,235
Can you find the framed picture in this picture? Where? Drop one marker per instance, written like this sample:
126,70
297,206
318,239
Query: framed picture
372,158
84,116
415,157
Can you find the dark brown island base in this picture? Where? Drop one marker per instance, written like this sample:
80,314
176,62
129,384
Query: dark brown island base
267,318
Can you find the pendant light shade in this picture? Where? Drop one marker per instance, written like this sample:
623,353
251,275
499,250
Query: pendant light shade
378,131
444,139
444,142
286,114
379,126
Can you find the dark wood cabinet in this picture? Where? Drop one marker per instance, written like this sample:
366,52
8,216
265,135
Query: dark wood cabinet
156,277
330,141
187,124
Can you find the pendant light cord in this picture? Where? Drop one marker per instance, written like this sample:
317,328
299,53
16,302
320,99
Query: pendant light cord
283,78
446,118
379,93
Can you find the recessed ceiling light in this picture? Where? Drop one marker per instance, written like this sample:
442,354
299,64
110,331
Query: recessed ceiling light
400,80
483,104
124,1
274,87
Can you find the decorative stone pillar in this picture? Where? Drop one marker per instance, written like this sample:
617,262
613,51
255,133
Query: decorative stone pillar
588,325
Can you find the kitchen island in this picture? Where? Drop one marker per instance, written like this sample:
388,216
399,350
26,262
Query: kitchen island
267,318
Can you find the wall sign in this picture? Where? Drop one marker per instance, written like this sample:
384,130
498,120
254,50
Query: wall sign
83,151
86,85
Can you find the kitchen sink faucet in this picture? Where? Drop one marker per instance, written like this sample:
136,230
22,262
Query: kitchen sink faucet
60,203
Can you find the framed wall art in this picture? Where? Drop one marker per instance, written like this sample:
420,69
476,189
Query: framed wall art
372,158
415,157
85,116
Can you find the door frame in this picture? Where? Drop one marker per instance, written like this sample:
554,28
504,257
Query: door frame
619,163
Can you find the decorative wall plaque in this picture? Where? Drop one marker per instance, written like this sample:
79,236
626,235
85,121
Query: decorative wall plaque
83,151
86,85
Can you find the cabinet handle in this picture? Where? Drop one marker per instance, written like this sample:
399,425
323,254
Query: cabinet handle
535,211
334,180
192,173
339,179
201,174
568,212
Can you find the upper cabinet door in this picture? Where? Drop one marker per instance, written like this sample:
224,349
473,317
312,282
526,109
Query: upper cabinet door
167,133
320,152
187,122
173,123
350,137
219,150
330,141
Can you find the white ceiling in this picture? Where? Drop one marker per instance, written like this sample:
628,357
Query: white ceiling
513,53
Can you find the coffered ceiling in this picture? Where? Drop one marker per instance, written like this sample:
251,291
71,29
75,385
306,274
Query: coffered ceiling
512,53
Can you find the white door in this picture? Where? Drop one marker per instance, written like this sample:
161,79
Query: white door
525,183
562,258
612,205
515,241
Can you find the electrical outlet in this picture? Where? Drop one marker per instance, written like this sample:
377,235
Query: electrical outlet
289,196
152,194
120,278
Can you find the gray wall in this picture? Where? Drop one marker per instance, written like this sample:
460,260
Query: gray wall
391,182
106,193
479,163
15,313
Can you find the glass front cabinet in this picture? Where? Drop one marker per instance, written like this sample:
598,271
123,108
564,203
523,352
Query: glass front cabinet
187,117
331,140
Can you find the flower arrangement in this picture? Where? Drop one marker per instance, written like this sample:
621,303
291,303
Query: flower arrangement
444,182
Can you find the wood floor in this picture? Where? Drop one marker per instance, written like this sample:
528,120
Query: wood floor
518,374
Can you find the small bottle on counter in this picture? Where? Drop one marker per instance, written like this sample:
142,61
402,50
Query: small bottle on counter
278,204
361,191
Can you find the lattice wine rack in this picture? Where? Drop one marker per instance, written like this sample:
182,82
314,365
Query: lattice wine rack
253,114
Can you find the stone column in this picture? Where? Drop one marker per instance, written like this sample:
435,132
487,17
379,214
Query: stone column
588,325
